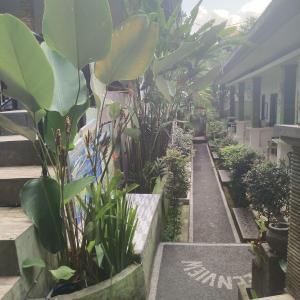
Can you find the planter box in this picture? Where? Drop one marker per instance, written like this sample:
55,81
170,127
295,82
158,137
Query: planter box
268,278
243,292
127,285
133,283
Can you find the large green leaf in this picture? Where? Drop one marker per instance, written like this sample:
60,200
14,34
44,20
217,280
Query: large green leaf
70,84
80,30
187,49
189,22
132,50
24,67
205,80
63,273
11,126
37,262
74,188
166,87
98,87
40,198
54,121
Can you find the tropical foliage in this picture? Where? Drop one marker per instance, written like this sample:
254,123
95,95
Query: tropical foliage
86,231
176,186
268,190
239,160
166,62
185,63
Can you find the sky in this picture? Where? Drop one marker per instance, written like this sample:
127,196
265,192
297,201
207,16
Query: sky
235,11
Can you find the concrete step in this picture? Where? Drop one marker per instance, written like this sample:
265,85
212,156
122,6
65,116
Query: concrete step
246,224
225,176
12,180
16,150
20,117
200,140
13,223
18,241
6,285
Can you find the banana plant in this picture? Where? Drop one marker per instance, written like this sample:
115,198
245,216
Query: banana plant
184,64
48,80
86,33
24,68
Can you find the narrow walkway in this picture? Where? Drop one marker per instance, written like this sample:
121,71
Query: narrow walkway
211,266
210,220
200,271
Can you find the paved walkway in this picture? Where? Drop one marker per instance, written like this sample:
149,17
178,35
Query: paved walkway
214,263
201,271
210,219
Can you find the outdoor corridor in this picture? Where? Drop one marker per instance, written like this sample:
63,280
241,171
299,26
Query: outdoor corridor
214,262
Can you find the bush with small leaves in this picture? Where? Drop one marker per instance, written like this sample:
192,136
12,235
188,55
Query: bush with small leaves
268,189
215,129
182,141
239,159
176,186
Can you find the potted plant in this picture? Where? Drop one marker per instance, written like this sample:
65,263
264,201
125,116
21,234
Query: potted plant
268,192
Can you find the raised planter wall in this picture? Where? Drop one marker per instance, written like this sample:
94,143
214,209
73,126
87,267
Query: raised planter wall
132,283
127,285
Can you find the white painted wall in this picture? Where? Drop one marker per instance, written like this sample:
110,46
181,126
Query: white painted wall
272,84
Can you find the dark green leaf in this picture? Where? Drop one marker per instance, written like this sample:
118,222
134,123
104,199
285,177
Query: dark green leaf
54,121
40,198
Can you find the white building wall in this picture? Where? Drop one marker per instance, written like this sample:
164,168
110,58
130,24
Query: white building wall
272,84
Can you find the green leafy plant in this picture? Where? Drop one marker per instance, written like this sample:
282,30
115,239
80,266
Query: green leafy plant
215,129
268,189
87,29
239,160
114,230
256,246
176,186
171,83
182,141
224,142
93,237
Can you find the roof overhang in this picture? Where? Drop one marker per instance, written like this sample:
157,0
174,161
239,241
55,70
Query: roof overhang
275,36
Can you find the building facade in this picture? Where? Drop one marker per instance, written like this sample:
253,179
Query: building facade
261,90
263,80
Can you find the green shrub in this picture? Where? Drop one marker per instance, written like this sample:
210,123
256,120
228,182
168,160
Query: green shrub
215,129
182,141
239,159
173,222
224,142
268,189
177,165
176,186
